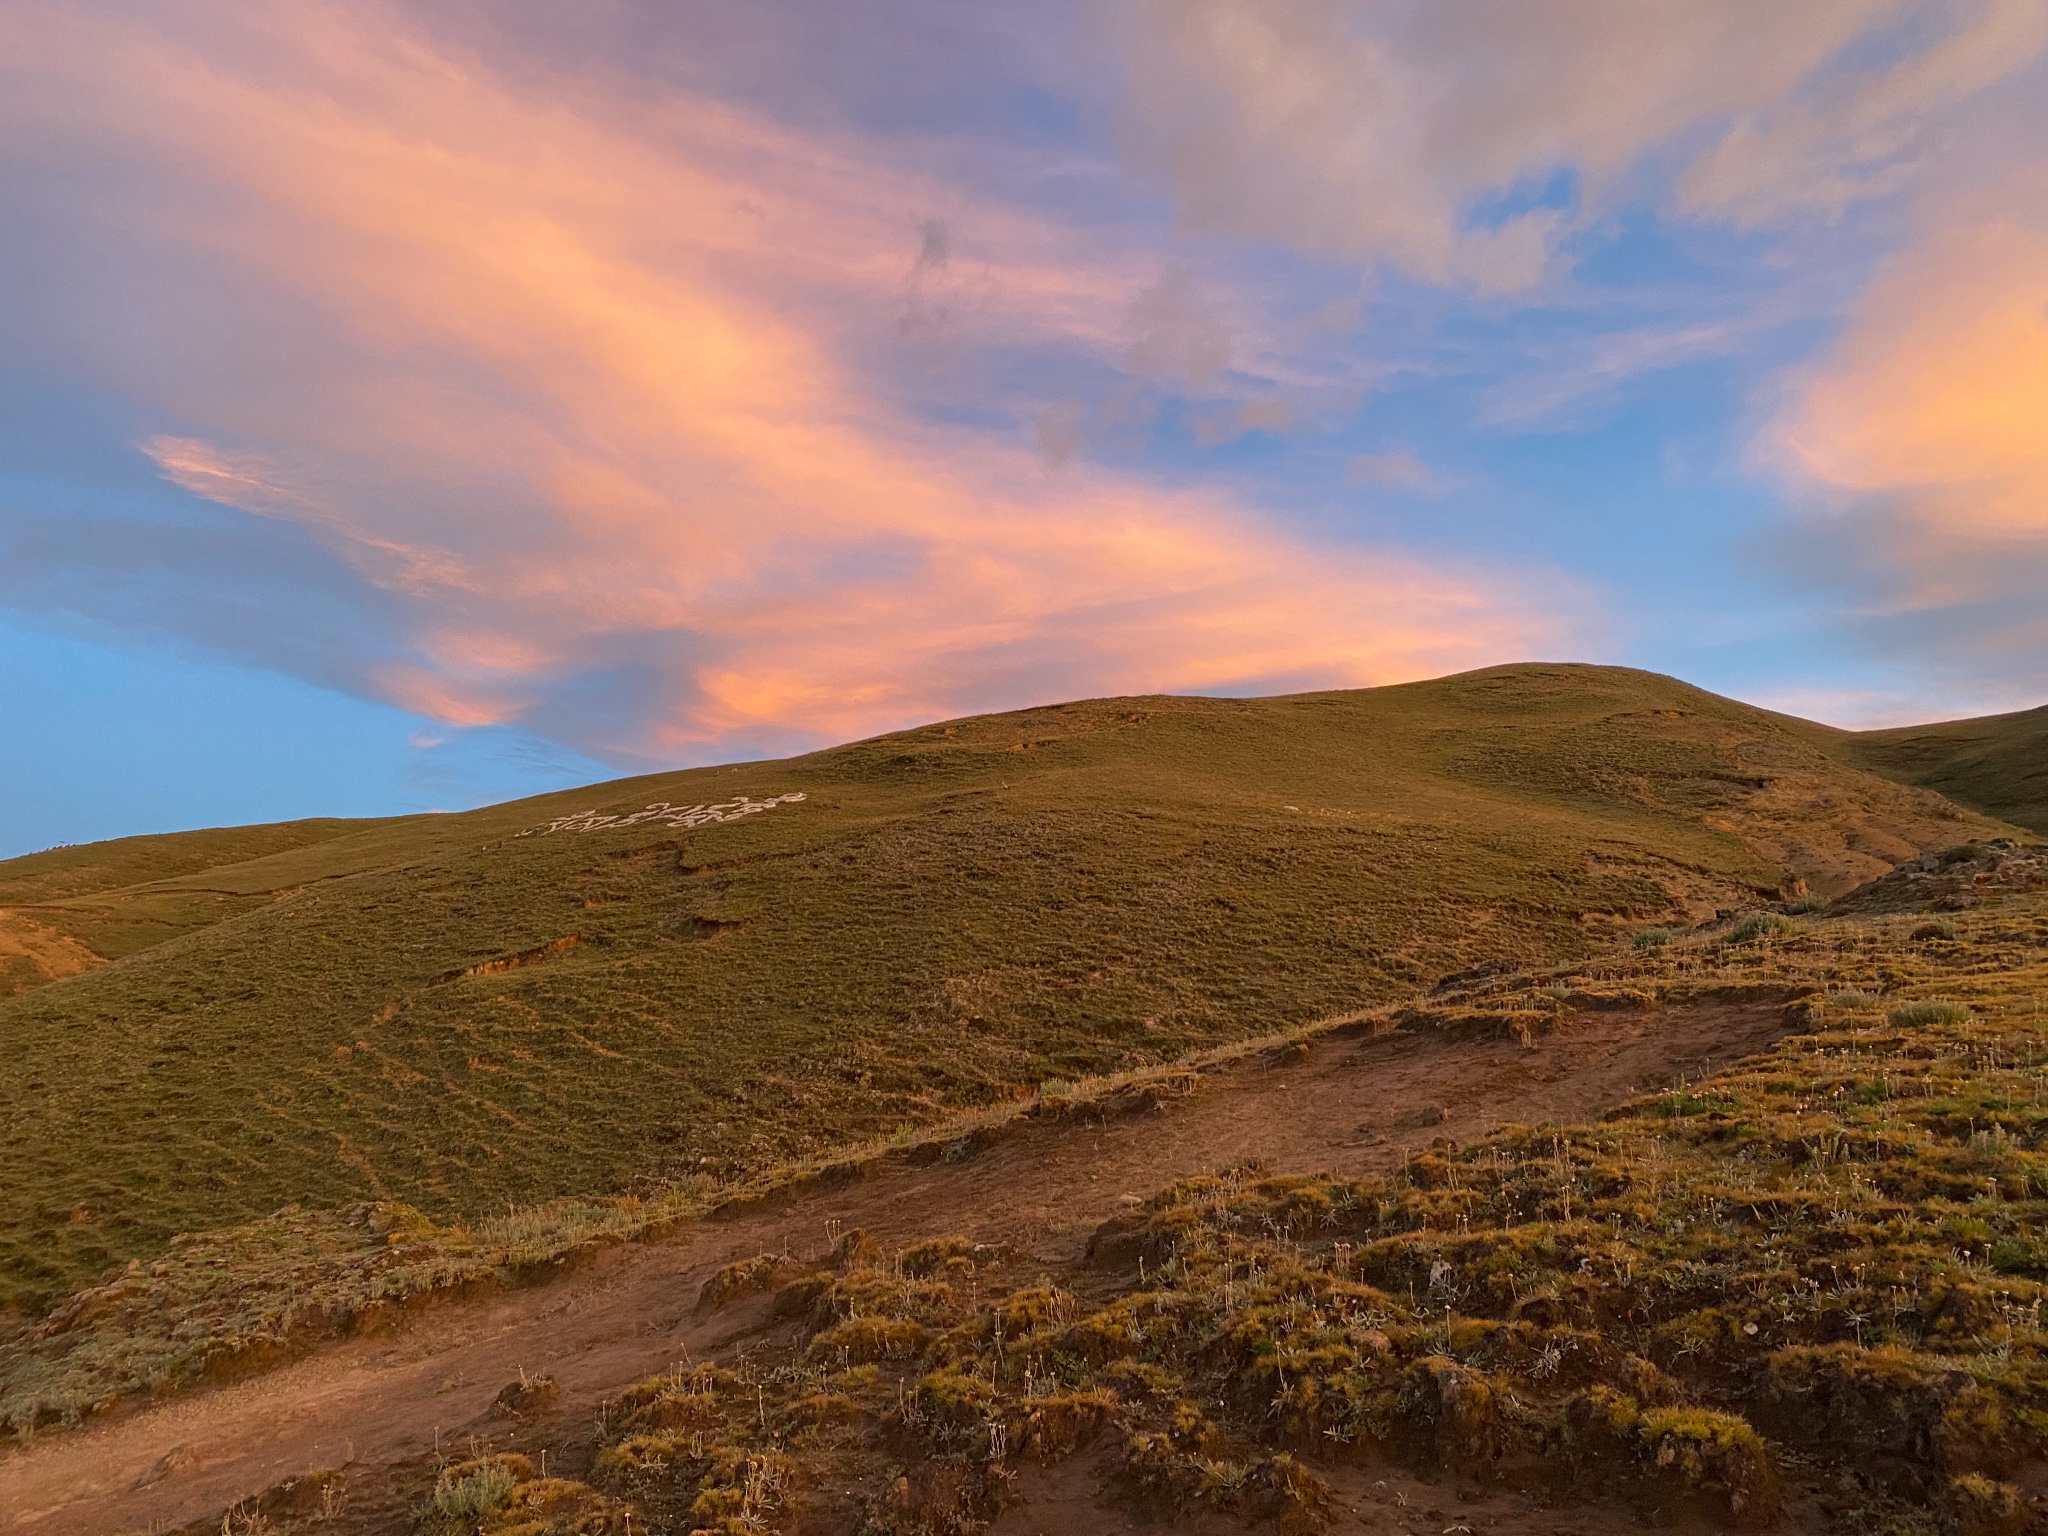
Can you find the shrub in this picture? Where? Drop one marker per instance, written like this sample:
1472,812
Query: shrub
1761,925
1920,1015
1938,929
935,1254
2020,1256
472,1488
1654,938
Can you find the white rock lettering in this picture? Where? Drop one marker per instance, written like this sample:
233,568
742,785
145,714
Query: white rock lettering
661,813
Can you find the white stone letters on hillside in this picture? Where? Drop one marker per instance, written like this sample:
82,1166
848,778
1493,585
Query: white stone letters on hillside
661,813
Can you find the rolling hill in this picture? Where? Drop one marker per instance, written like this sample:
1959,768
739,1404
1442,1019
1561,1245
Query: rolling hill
1997,764
709,973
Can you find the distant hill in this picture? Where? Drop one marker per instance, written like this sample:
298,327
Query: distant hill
532,999
1997,764
68,909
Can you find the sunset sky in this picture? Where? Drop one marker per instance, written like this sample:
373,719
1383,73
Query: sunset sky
409,405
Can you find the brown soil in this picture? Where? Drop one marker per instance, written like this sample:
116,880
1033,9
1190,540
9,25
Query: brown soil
1070,1500
382,1405
31,954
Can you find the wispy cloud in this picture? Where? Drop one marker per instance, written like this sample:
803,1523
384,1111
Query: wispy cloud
586,404
1920,440
1590,367
1429,138
1402,470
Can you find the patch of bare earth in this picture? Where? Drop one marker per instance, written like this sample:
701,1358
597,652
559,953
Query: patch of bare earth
381,1406
32,953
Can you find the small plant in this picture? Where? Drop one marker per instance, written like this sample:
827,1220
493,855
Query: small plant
1761,925
474,1488
1654,938
1940,928
1921,1015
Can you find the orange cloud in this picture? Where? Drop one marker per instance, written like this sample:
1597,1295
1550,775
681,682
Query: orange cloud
1938,392
586,396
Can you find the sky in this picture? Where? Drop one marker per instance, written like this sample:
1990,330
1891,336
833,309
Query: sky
410,404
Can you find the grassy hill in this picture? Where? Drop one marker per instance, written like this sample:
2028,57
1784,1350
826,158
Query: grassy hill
1997,764
513,1004
68,909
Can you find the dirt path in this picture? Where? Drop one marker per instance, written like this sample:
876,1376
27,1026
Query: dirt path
1344,1105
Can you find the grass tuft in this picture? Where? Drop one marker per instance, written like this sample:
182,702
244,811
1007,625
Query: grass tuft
1761,925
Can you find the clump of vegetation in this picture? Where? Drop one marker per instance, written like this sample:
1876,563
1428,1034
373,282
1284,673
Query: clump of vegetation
1761,925
1654,938
469,1492
1920,1015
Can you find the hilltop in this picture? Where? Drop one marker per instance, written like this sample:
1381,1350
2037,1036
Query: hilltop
605,990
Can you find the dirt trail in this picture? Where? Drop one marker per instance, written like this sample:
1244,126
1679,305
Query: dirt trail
1345,1105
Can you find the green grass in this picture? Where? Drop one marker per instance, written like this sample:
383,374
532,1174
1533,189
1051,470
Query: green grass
1822,1264
118,898
1997,764
1759,926
439,1011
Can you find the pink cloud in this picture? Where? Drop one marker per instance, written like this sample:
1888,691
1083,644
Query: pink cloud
1939,389
1920,442
584,390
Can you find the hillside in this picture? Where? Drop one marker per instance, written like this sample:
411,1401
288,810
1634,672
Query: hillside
573,994
1802,1292
65,910
1997,764
1741,1226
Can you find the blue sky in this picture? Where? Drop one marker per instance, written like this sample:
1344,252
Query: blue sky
404,406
